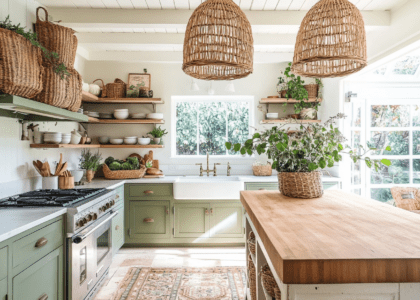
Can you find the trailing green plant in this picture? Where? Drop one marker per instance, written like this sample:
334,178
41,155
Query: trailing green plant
158,132
318,81
52,57
312,147
89,160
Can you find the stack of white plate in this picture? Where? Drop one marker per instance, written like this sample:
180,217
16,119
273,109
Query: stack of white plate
52,137
121,114
105,116
93,114
155,116
138,116
65,138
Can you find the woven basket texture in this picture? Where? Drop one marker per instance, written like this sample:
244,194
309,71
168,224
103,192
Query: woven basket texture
262,170
301,184
312,90
277,293
123,174
251,242
117,89
57,39
407,198
63,93
252,277
268,280
331,41
103,88
218,42
21,69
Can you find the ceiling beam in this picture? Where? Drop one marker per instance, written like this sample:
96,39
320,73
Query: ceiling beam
132,18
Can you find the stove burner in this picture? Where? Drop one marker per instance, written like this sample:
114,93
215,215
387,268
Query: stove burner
50,197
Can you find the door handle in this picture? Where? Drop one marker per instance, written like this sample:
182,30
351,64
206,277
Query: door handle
148,220
43,297
211,211
207,211
262,189
167,210
148,192
41,243
117,227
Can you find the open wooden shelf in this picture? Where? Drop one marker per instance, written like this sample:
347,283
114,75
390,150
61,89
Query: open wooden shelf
87,97
126,121
54,146
285,100
290,121
126,101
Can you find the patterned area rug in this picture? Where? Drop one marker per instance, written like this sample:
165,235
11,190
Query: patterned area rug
221,283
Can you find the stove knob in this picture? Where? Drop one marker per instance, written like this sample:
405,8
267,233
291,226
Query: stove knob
104,208
112,202
89,217
108,205
94,216
79,223
85,220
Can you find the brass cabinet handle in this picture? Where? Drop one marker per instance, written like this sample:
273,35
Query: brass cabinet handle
261,189
117,227
43,297
117,197
207,211
148,192
148,220
167,210
41,243
211,211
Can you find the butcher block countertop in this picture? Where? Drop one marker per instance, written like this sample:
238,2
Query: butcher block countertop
338,238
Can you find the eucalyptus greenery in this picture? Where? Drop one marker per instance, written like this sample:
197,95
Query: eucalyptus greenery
89,160
312,147
51,57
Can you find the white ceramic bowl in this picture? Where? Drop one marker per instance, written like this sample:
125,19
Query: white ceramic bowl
77,174
155,116
65,140
52,141
52,137
131,140
103,140
75,139
138,116
121,115
116,141
272,115
144,141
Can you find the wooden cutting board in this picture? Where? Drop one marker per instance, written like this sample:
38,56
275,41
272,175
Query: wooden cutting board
154,176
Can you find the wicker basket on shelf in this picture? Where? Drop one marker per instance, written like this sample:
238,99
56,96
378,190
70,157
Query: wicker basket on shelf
268,280
56,38
277,293
312,90
301,184
251,242
21,69
262,170
117,89
123,174
252,278
103,88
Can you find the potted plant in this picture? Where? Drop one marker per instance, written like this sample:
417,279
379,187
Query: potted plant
299,156
307,110
157,134
90,162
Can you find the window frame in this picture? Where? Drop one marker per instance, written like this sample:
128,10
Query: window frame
203,98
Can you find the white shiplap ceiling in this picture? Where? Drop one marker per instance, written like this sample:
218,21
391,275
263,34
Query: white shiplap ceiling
192,4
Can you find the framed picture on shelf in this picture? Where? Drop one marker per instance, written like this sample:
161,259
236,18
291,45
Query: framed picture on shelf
139,85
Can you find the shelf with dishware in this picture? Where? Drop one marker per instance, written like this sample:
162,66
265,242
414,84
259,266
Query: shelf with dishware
285,100
289,121
90,98
81,146
125,121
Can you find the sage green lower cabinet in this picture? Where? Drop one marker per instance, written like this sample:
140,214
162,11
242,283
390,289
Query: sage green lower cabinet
3,289
226,220
3,262
192,220
118,231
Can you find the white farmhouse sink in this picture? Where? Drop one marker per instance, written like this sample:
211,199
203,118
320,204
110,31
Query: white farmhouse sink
208,188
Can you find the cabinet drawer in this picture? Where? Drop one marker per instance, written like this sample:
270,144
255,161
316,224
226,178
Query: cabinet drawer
3,289
145,191
3,263
38,244
149,219
269,186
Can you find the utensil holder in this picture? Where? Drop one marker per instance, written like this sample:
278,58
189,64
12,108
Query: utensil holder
65,183
50,183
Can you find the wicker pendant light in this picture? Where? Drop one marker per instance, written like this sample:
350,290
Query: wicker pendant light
331,41
218,42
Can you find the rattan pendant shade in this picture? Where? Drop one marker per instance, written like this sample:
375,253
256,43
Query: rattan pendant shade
218,42
331,41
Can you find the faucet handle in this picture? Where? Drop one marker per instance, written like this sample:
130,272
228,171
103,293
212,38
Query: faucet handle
217,164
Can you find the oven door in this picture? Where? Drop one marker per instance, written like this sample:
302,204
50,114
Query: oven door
90,255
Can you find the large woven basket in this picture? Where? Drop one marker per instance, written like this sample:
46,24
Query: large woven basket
301,184
64,93
265,170
117,89
21,69
252,278
123,174
268,280
277,293
57,39
251,243
312,90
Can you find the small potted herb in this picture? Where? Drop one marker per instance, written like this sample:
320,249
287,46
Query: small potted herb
157,134
90,162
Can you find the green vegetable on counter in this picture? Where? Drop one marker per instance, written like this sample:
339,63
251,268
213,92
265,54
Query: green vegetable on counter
126,166
109,160
115,166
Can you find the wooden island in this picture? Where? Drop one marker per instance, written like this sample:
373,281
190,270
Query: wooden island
337,247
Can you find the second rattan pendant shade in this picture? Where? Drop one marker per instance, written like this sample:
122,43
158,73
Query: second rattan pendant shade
218,42
331,41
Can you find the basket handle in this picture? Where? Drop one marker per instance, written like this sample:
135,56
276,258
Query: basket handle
117,80
103,84
37,14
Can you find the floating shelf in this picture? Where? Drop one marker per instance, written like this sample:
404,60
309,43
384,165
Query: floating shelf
87,97
290,121
127,101
54,146
126,121
285,100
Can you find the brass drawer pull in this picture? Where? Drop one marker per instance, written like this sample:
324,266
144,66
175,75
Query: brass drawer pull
167,210
43,297
117,197
148,192
211,211
117,227
261,189
207,211
41,243
148,220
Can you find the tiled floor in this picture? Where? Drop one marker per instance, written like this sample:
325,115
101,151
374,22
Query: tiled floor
168,257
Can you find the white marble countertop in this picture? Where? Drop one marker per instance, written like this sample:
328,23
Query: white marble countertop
14,221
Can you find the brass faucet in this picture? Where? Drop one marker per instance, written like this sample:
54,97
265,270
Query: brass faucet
208,171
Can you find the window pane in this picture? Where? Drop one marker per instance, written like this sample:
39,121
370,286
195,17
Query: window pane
416,170
407,66
356,114
398,140
357,191
416,115
356,173
238,120
397,173
186,128
416,142
213,127
383,195
390,115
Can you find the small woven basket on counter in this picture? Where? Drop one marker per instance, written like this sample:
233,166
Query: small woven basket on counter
123,174
312,90
264,170
252,278
117,89
251,242
305,185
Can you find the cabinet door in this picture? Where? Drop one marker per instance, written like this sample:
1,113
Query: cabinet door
226,220
118,231
41,280
149,219
192,220
3,289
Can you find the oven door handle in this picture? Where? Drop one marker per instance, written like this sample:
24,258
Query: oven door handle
79,238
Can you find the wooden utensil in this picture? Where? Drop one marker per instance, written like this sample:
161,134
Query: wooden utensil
59,165
63,169
36,168
65,182
48,168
